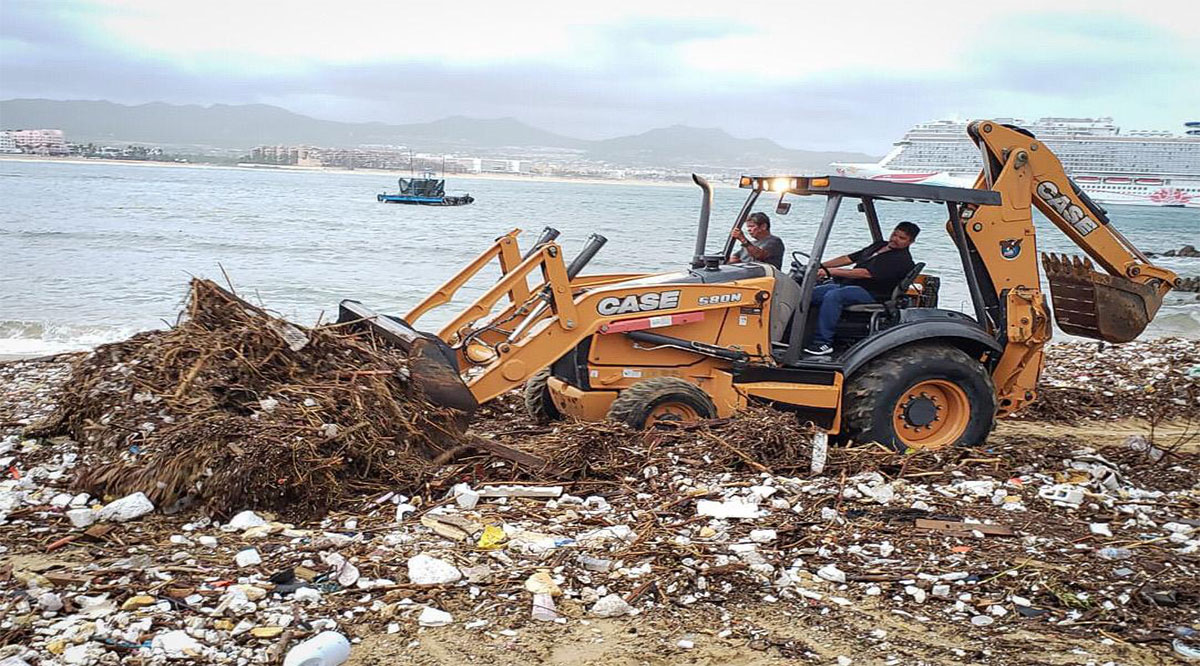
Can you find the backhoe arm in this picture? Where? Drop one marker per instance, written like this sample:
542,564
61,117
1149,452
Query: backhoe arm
1114,306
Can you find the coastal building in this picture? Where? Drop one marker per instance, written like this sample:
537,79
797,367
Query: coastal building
35,141
7,143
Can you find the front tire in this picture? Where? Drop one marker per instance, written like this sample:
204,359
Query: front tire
538,403
921,397
661,399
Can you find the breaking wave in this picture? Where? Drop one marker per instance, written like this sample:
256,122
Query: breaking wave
33,338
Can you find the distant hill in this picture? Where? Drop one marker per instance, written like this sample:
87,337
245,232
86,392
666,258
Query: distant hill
690,145
245,126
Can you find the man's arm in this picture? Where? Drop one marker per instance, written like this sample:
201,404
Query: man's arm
839,261
756,253
854,273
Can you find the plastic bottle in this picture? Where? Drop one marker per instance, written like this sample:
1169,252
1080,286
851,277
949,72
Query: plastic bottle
328,648
1115,553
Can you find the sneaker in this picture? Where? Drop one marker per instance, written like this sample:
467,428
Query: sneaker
819,350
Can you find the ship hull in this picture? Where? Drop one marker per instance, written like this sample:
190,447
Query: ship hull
1181,194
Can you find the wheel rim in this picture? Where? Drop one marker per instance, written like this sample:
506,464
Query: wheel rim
931,414
673,412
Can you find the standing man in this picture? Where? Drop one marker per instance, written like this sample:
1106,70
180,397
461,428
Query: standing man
765,247
878,268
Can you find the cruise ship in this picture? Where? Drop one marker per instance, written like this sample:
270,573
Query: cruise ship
1138,167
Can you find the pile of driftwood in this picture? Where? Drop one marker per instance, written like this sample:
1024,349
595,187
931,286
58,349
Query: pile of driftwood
234,408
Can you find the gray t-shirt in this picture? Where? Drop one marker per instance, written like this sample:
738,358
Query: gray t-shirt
774,247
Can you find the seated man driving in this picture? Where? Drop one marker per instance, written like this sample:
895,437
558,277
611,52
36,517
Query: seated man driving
766,247
878,268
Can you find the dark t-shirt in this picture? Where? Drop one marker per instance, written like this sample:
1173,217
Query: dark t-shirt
887,269
774,247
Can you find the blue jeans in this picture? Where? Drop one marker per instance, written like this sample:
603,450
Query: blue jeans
829,299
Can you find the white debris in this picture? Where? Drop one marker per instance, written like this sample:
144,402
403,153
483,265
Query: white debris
245,520
1101,529
763,536
732,508
1063,494
306,594
831,573
611,606
125,509
426,570
176,644
81,517
50,601
434,617
402,511
465,496
521,491
247,558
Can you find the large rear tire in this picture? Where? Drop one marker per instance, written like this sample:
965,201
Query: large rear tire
661,399
921,397
538,403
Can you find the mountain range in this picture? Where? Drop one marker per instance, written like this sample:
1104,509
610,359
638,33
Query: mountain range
241,127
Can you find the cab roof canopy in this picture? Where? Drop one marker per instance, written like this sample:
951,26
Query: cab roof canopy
863,187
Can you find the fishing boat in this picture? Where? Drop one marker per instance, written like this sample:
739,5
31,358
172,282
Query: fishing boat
426,191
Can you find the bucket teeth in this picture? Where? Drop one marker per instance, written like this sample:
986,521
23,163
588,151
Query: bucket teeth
1097,305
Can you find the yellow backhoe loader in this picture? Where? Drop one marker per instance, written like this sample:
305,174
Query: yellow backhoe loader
705,341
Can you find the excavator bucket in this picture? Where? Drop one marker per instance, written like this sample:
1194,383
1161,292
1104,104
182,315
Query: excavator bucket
432,366
1097,305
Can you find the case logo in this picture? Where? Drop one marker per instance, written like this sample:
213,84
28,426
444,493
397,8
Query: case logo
1010,248
1062,205
615,305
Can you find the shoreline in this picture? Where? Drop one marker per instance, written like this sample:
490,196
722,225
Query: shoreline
363,172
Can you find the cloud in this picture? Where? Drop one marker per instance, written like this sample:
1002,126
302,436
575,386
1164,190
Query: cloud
806,76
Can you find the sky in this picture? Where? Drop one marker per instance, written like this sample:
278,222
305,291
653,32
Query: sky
849,75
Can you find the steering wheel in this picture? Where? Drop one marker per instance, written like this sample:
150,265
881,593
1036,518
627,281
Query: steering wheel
798,266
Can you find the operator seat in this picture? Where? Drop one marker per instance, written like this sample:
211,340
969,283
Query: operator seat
892,305
785,298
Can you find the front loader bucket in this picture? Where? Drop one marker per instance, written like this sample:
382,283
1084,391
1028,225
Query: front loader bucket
432,364
1097,305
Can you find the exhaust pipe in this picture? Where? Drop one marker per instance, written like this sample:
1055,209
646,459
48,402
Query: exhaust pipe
706,201
548,235
593,245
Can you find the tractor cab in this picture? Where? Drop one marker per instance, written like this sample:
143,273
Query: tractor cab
914,299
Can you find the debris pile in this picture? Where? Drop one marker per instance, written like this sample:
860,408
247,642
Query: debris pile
609,451
692,521
1087,381
709,527
235,408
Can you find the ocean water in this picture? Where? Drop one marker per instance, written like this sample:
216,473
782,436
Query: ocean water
91,253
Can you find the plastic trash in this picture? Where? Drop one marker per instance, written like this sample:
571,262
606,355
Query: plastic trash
491,538
819,453
1114,553
328,648
1184,650
543,608
1063,494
